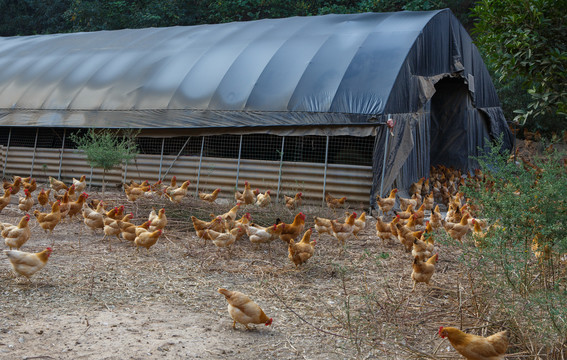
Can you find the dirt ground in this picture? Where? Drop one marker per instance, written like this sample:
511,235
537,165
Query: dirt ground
92,302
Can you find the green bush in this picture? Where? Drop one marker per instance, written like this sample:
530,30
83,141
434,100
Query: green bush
524,201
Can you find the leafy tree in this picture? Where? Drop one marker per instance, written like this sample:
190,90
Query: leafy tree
32,17
106,149
526,40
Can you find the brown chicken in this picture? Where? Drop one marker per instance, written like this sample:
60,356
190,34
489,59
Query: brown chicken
243,310
405,215
423,271
415,188
406,236
70,193
80,184
333,202
429,202
247,196
393,227
48,221
387,204
293,203
291,231
147,239
178,194
43,197
27,264
209,197
474,347
383,230
322,226
263,200
133,193
158,221
302,251
5,200
77,206
172,185
436,218
15,185
457,230
343,231
201,226
25,203
224,239
229,217
420,249
359,224
57,185
15,236
30,186
92,218
259,235
128,230
405,202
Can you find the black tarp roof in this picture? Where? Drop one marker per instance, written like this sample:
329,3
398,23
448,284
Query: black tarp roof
299,71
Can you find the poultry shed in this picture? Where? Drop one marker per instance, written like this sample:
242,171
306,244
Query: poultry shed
291,104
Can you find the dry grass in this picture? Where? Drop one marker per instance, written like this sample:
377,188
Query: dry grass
360,299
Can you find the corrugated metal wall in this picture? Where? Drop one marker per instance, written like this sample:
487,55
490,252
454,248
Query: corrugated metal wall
352,181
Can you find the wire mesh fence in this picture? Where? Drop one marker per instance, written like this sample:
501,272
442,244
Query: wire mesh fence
230,158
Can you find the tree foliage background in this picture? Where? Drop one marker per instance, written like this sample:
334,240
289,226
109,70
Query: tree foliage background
523,42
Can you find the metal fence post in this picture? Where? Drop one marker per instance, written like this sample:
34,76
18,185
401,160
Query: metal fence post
34,149
325,173
161,158
177,157
6,158
61,154
199,171
280,173
384,161
238,165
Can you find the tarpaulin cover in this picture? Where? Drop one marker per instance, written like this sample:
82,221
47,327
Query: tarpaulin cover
319,70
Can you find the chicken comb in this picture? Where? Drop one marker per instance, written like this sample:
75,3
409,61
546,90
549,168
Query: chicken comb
440,329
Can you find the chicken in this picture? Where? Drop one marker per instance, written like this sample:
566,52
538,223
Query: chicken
133,193
405,215
383,230
43,197
80,184
172,185
359,224
243,310
209,197
113,228
27,264
30,186
25,203
201,226
48,221
343,231
115,213
76,206
15,185
420,249
224,239
420,215
293,202
393,227
16,235
57,185
147,239
64,206
5,200
265,235
178,194
423,271
263,200
406,236
158,221
436,218
128,230
474,347
71,194
478,234
429,202
334,203
405,202
302,251
230,216
415,188
412,222
291,231
246,197
457,230
93,219
323,226
387,204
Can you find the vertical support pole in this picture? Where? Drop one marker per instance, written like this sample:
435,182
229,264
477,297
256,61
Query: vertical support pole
325,173
34,150
61,154
161,158
91,179
238,165
200,162
384,161
280,173
125,172
7,149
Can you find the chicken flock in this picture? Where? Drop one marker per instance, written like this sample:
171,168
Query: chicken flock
415,227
